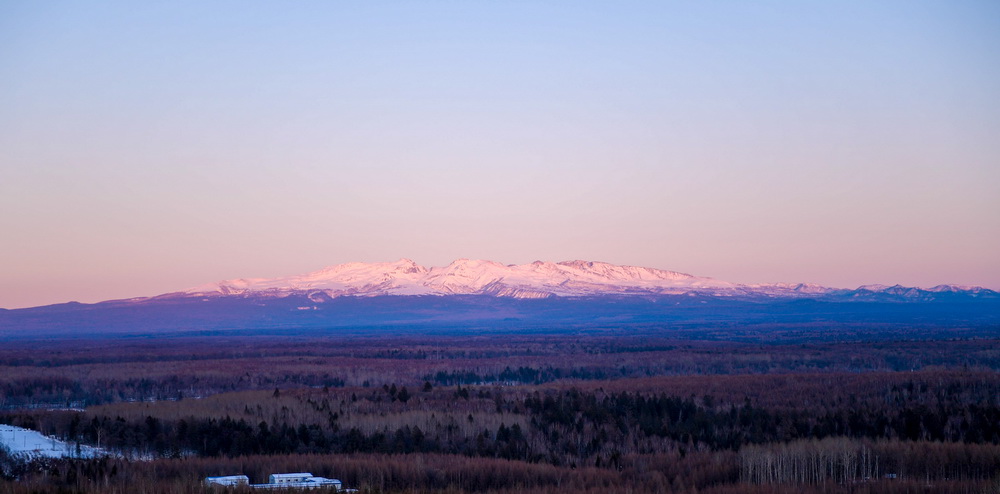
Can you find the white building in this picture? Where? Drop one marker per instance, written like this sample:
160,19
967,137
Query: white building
303,480
228,480
287,478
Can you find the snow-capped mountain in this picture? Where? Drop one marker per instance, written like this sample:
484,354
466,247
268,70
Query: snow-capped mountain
903,293
469,295
479,277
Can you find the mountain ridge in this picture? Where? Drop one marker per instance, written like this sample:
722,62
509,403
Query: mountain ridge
477,295
536,280
539,279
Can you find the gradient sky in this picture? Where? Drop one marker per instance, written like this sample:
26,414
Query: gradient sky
147,147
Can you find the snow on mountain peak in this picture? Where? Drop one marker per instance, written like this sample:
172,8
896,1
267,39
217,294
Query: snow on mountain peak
538,279
472,276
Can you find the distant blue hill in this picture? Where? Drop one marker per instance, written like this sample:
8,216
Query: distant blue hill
301,313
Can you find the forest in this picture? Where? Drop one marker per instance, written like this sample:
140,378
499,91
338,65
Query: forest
638,410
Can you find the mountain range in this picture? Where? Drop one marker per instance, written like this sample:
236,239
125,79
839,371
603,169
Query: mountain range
539,279
478,296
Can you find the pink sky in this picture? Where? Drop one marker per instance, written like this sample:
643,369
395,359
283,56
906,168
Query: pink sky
150,148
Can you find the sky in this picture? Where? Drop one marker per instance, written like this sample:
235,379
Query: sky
147,147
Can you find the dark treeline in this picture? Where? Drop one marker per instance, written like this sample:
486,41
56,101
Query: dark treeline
59,391
522,375
761,470
575,414
556,426
76,375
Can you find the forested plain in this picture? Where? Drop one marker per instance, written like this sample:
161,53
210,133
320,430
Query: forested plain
630,409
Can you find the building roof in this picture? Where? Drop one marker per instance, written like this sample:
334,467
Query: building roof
291,475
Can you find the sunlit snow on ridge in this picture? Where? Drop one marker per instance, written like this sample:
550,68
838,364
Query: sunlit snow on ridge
539,279
464,276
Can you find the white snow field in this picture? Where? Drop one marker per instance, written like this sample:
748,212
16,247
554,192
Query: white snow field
469,276
33,444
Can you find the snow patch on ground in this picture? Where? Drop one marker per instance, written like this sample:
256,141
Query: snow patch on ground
33,444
